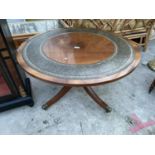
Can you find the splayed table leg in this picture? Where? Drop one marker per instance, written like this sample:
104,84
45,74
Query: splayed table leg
58,96
96,98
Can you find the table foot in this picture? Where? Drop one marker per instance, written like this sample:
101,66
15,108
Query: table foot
45,106
59,95
108,109
96,98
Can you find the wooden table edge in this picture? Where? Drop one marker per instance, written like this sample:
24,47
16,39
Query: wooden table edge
70,82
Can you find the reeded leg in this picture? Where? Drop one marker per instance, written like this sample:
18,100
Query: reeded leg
96,98
59,95
152,86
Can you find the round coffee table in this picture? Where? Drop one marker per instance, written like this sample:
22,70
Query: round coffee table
78,57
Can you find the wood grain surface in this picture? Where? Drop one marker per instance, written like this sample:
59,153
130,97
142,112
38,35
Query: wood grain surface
88,82
78,48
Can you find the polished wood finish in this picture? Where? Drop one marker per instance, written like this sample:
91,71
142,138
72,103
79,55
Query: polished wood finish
78,48
59,95
96,98
68,84
87,82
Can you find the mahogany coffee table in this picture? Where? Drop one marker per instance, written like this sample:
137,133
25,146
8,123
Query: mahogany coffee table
78,57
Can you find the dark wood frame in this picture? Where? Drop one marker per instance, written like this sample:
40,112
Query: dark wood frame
17,97
8,80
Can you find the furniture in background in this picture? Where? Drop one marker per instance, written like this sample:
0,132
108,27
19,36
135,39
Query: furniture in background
138,30
151,64
15,89
24,30
152,86
78,58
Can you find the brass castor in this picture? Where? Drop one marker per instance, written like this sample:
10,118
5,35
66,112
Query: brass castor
108,109
45,106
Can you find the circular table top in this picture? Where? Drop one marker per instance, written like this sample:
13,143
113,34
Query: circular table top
78,57
78,48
